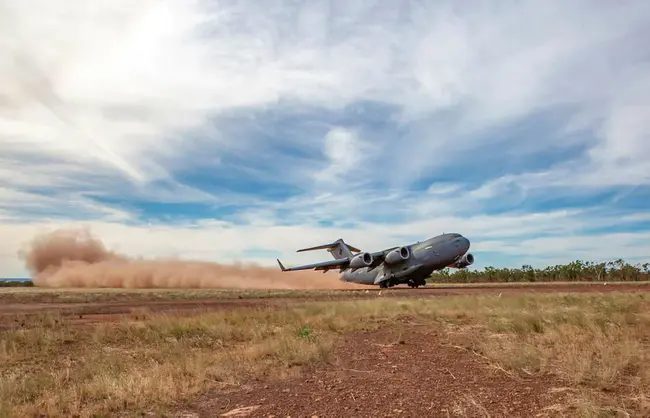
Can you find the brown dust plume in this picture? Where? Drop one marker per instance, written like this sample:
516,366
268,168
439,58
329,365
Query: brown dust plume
76,258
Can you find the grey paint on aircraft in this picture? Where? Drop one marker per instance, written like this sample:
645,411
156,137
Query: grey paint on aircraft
410,264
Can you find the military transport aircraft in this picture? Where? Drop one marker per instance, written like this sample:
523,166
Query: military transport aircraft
410,264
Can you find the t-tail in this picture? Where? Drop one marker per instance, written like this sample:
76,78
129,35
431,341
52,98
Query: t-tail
338,249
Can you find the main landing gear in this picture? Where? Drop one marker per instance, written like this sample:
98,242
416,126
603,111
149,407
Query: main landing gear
393,282
385,284
388,283
416,283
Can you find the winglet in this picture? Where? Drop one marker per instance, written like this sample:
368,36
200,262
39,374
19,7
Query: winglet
281,266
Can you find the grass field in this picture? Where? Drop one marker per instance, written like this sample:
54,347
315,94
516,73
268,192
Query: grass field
595,345
81,295
77,295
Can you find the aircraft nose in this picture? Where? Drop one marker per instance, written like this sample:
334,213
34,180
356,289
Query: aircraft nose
464,243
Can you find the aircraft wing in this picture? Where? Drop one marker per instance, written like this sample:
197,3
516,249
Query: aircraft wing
379,256
340,263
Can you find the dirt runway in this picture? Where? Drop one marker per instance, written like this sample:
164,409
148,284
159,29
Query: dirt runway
113,305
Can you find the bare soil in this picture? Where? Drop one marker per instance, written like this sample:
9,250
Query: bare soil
410,372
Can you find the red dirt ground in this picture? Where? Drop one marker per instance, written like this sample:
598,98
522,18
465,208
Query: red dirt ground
383,374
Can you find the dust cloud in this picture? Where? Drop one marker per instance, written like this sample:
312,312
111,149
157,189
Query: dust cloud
75,258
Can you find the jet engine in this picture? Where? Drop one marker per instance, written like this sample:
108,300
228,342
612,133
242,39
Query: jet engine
361,260
464,261
397,255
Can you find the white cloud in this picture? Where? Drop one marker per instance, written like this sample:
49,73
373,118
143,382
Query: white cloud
129,83
345,152
561,237
121,101
626,134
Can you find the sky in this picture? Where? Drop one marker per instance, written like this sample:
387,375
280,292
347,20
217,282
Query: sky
225,131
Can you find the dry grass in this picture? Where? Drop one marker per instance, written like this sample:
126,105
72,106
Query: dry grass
468,406
84,295
81,295
597,344
58,370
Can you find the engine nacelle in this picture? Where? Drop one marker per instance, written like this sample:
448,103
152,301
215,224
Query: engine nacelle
397,255
361,260
464,261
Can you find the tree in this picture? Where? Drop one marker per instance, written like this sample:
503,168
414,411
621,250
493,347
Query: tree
577,270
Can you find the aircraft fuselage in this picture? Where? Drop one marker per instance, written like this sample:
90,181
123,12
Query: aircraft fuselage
425,257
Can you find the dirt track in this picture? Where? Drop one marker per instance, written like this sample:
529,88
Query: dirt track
121,304
374,376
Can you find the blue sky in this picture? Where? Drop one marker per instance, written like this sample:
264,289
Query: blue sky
245,130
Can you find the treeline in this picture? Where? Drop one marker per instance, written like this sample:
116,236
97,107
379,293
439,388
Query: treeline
575,271
16,283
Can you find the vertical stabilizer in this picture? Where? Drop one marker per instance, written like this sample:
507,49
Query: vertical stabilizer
338,249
